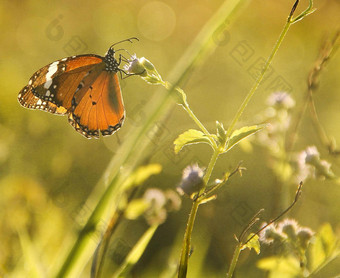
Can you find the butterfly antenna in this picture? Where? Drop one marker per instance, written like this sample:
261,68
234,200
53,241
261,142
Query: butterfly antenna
122,49
126,40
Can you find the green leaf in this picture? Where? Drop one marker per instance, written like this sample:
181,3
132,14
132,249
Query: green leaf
191,136
221,133
136,208
253,243
280,267
324,246
141,174
136,252
242,133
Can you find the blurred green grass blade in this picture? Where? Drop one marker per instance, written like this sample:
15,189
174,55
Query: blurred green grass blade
133,148
33,266
138,177
141,174
136,252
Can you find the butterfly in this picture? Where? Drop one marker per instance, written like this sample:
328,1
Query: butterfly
83,87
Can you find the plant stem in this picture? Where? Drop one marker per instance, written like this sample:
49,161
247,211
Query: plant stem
195,119
210,168
259,78
183,266
234,260
186,107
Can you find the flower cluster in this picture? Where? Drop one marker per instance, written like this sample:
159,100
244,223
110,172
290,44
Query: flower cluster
278,115
287,232
154,206
159,204
309,164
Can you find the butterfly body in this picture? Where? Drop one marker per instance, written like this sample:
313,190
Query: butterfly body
83,87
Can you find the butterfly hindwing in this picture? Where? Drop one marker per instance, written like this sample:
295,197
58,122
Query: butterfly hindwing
29,100
98,107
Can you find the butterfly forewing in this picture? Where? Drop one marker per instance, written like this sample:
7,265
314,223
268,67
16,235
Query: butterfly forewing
56,82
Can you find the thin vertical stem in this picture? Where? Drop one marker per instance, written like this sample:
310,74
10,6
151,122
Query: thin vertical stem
234,260
183,266
259,78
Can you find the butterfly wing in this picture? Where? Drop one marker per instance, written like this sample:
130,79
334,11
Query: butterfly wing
52,87
82,87
98,105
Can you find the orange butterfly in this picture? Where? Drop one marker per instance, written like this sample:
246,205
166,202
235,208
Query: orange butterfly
84,87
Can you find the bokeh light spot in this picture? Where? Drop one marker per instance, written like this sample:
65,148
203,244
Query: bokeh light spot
156,21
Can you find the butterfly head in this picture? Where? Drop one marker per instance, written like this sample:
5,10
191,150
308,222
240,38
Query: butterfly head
112,64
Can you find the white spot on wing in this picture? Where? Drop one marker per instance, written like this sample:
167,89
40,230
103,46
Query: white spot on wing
47,84
39,102
48,93
52,69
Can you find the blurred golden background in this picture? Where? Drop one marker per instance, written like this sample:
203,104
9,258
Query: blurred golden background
47,171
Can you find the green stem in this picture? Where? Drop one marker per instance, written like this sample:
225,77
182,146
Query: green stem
183,266
234,260
259,78
210,168
186,107
289,22
195,119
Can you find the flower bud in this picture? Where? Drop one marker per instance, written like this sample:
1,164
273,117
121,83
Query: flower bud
281,100
289,228
192,180
270,234
147,64
304,235
156,214
136,67
312,155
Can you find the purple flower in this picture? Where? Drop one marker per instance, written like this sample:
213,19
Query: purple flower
281,100
192,180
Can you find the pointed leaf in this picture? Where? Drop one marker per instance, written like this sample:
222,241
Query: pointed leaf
191,136
141,174
136,252
324,246
136,208
242,133
221,133
253,244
